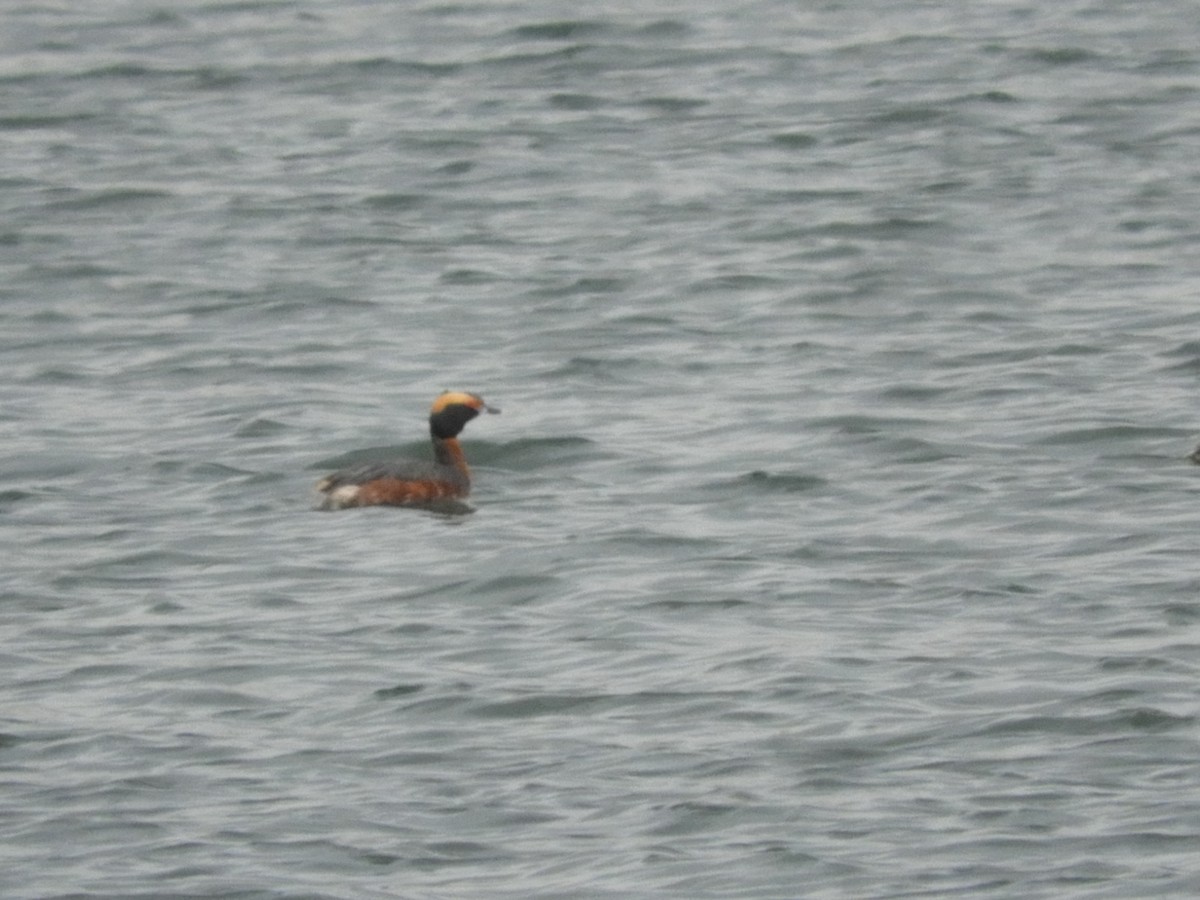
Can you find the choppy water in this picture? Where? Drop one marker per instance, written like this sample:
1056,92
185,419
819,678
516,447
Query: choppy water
837,538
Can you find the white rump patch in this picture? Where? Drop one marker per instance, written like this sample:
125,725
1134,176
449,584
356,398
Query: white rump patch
341,497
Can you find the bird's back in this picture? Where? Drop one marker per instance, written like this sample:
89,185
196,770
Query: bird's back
392,483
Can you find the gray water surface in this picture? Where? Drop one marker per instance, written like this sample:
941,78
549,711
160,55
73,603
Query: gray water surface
837,538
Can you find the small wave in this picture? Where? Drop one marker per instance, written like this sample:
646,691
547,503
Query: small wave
674,105
528,454
399,690
111,197
1134,719
395,202
913,392
894,228
865,424
387,64
577,102
539,705
412,450
35,122
1106,435
726,283
260,427
772,482
794,140
1062,56
12,497
559,31
469,276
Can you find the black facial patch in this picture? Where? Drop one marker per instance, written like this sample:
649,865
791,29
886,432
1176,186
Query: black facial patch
450,421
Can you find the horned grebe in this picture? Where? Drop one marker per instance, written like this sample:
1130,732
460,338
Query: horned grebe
409,482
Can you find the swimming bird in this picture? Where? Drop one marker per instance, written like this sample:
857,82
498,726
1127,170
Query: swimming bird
412,482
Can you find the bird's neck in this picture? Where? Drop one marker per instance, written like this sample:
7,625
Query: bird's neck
448,452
